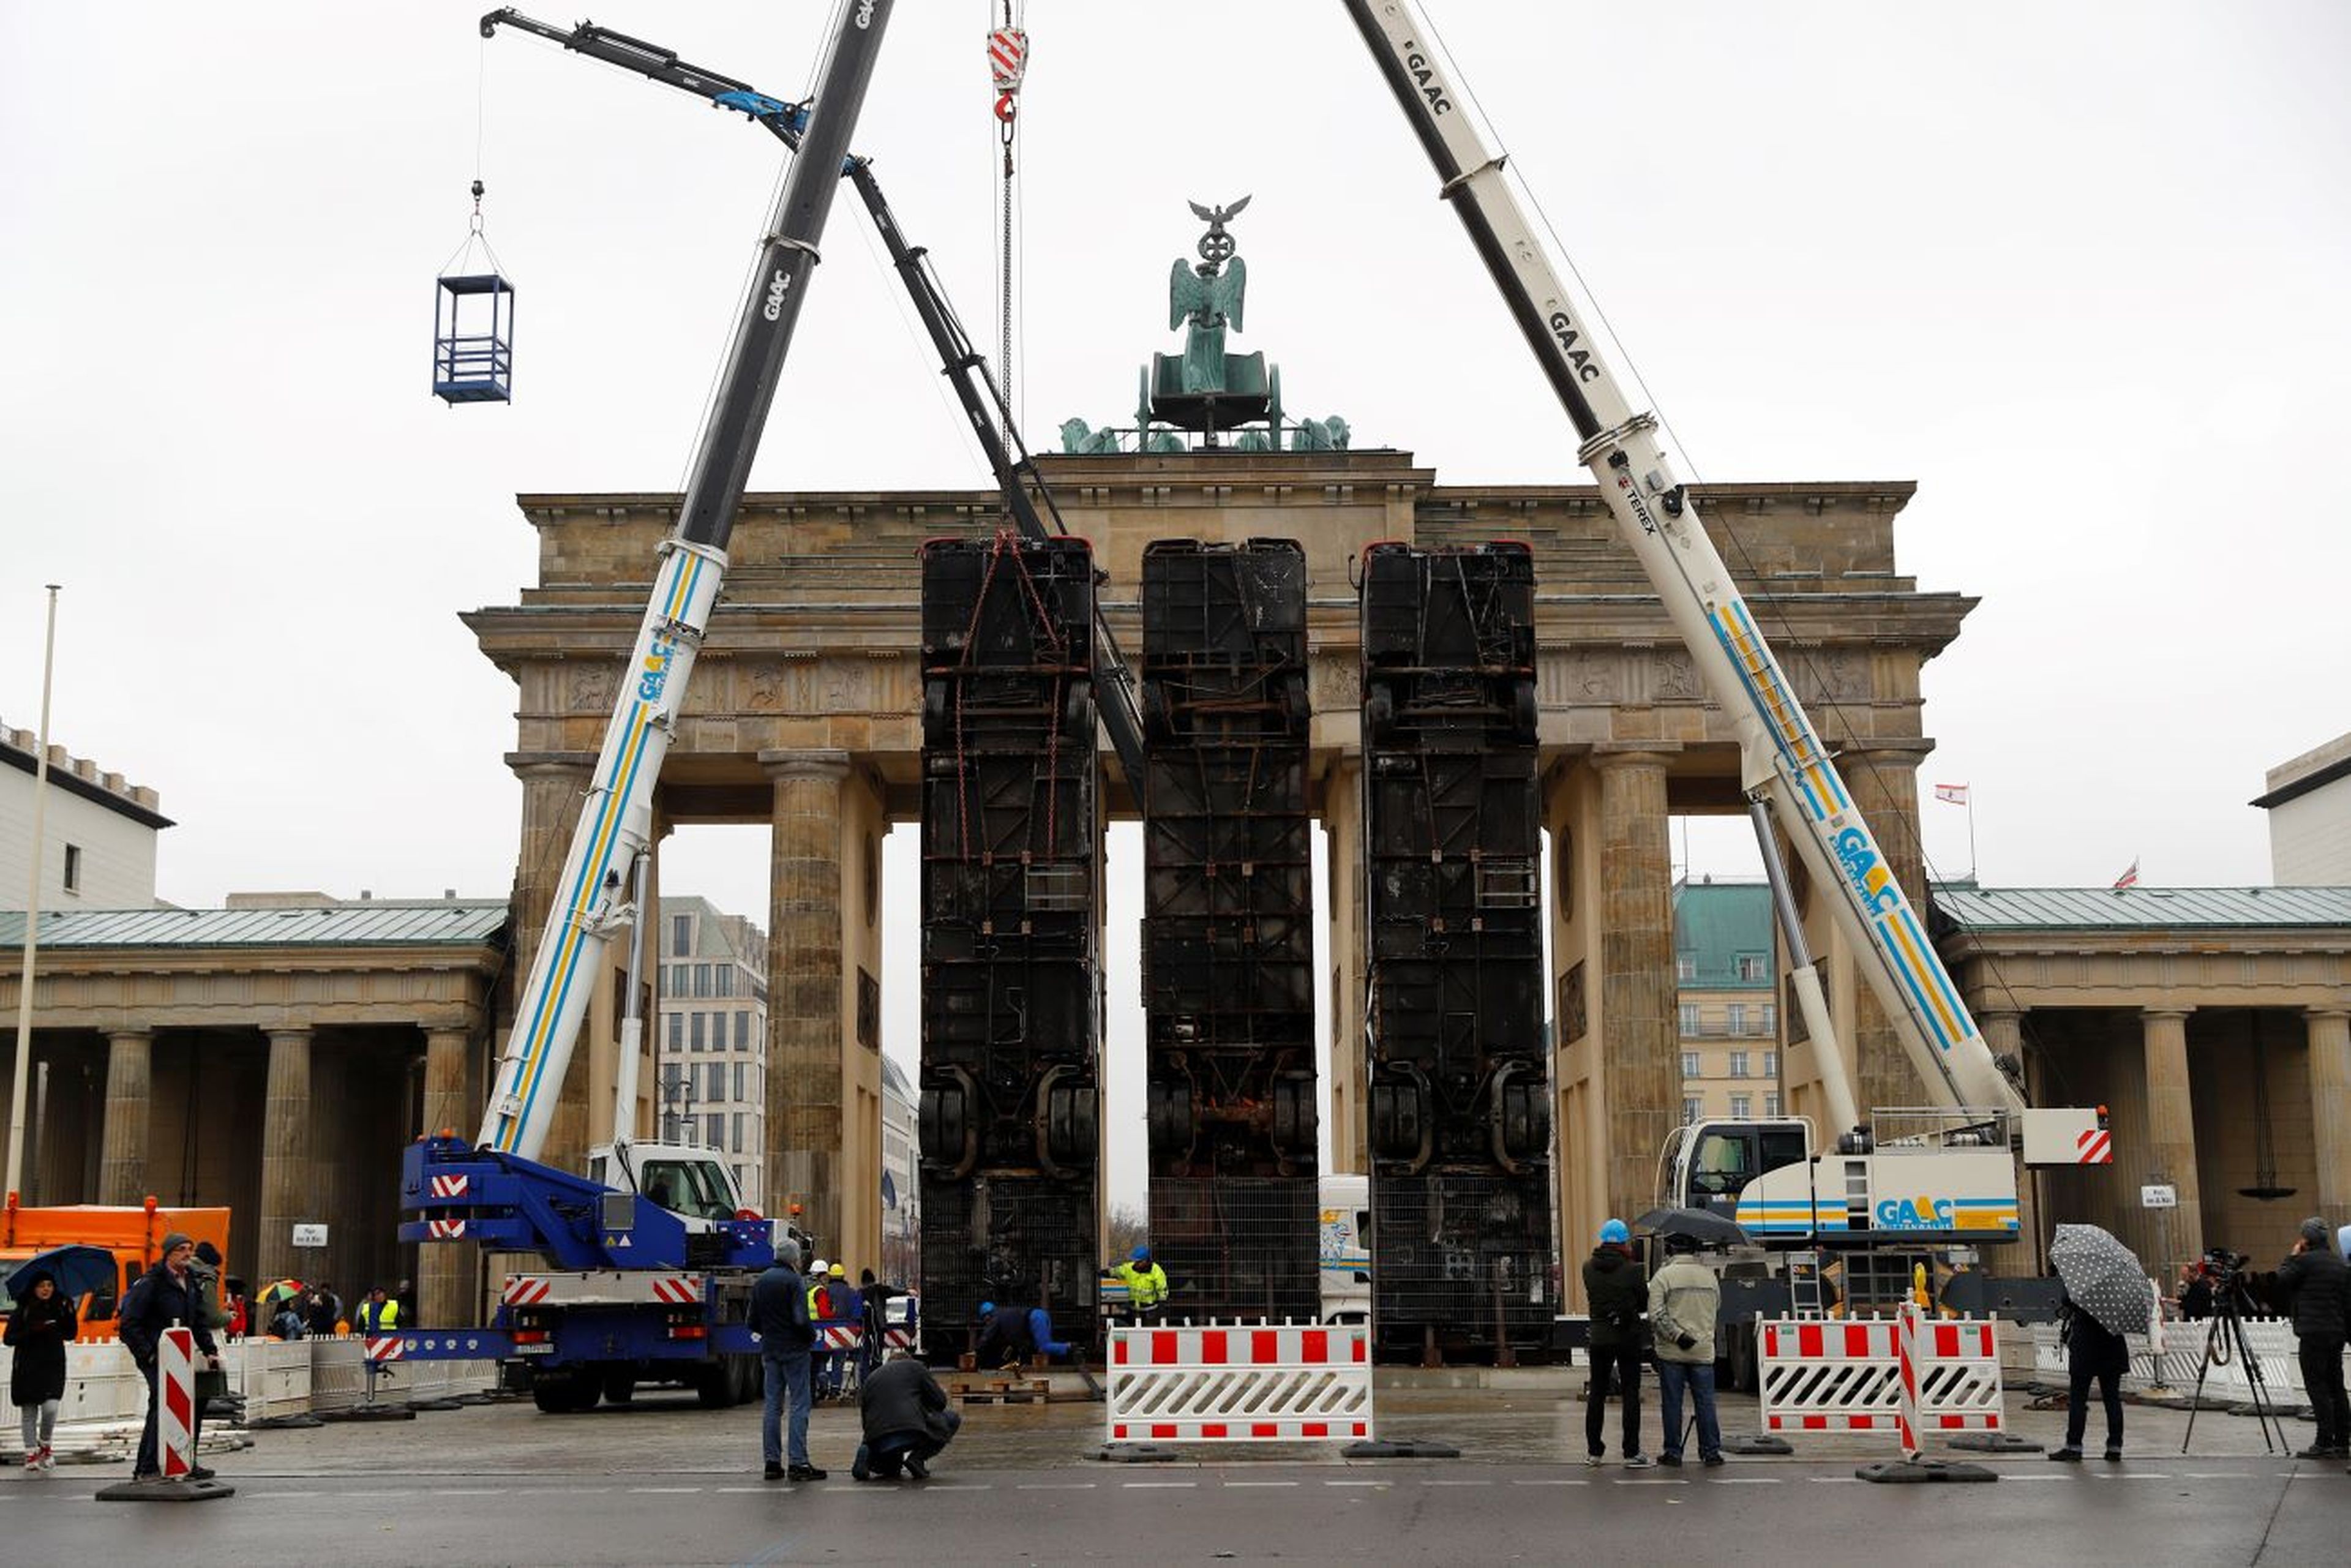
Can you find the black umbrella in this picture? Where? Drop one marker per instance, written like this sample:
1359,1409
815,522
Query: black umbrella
1707,1228
79,1271
2101,1276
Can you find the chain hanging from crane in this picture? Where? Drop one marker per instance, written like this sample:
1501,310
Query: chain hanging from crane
1007,62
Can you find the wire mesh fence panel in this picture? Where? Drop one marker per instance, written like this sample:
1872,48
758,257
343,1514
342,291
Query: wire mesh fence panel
1238,1248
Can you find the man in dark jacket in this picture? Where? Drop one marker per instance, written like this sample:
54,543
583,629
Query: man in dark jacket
905,1418
2093,1353
779,1316
163,1297
1619,1300
2318,1287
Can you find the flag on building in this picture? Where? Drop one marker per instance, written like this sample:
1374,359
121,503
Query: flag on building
2130,877
1957,794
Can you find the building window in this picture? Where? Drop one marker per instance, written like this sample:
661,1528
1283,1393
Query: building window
700,1041
1737,1018
1689,1018
738,1133
1684,968
1689,1064
1770,1104
1751,967
1739,1064
1770,1019
677,1031
701,979
681,936
73,868
743,1031
726,980
1771,1064
717,1081
1742,1106
715,1129
738,1080
1689,1109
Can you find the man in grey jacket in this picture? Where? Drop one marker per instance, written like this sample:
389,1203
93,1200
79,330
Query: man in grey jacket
1684,1298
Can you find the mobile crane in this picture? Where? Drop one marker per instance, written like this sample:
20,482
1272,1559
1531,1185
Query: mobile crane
1946,1178
638,1289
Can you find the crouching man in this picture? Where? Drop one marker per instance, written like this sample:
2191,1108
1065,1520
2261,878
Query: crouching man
906,1420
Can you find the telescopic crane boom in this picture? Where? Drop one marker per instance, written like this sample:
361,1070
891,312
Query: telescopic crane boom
1785,765
966,371
592,899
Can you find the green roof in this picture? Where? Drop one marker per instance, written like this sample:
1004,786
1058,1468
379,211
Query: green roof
1969,908
1718,922
374,923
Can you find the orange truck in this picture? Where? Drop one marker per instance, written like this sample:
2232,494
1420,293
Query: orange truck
134,1233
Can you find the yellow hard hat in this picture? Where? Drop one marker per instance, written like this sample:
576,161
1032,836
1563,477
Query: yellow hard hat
838,1270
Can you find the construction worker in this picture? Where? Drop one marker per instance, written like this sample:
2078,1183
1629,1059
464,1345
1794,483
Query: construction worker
379,1313
1146,1282
847,1309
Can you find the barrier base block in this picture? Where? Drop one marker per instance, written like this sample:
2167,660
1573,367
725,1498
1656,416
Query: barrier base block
1755,1444
1409,1448
165,1491
1136,1454
1920,1472
1994,1443
369,1412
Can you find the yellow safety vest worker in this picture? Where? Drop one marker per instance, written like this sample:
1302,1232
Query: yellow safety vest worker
376,1318
1146,1287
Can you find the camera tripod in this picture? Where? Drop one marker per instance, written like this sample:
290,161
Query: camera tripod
2225,1337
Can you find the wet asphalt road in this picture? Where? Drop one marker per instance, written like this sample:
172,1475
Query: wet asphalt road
662,1482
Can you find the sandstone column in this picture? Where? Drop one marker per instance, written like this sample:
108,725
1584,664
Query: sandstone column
554,791
287,1175
806,1035
1343,820
122,1149
446,1271
2330,1110
1639,1041
2171,1140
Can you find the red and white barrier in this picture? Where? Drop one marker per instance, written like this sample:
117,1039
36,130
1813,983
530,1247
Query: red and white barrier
1240,1383
1908,1375
175,1403
837,1336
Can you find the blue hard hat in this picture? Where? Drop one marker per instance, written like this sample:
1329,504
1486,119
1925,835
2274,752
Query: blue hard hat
987,1308
1615,1233
1140,1255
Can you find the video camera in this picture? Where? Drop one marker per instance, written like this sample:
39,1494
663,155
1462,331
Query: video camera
2221,1265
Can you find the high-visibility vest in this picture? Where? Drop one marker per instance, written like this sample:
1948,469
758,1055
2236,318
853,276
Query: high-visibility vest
1145,1287
817,1304
380,1318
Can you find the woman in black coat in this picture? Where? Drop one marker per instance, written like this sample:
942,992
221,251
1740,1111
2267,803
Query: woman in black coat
43,1323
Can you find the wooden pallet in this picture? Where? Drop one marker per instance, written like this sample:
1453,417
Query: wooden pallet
1005,1391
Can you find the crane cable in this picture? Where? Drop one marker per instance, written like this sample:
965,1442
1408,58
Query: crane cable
1007,62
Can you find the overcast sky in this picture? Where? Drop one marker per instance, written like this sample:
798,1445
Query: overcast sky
2078,270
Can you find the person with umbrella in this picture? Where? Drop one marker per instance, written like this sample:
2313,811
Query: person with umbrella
2105,1298
41,1325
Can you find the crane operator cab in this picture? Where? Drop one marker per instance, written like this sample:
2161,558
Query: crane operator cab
1715,1162
691,1183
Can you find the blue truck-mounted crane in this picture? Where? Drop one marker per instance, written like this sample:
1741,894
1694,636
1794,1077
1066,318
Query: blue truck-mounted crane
650,1258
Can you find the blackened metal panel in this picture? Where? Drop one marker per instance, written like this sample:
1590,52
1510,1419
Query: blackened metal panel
1460,1115
1228,937
1011,952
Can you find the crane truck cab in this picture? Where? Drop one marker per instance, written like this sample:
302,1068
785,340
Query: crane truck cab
691,1182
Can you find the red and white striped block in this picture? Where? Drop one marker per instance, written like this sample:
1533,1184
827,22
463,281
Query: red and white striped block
447,1229
898,1339
2095,1146
384,1347
1242,1345
175,1402
450,1185
525,1290
1238,1382
678,1290
836,1336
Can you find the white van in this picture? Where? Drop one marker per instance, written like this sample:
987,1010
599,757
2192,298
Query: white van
1344,1248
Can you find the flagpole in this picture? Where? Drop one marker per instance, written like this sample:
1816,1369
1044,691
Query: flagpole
16,1095
1974,869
